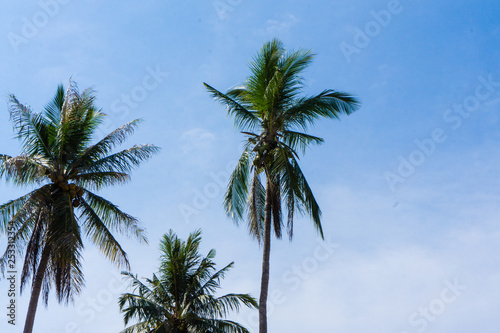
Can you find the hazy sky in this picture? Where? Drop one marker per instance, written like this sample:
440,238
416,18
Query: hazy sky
409,185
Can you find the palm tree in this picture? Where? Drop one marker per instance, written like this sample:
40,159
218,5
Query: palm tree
267,108
59,159
180,298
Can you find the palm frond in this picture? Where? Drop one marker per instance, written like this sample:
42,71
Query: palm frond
10,209
123,161
100,235
257,201
218,326
243,117
53,109
212,281
23,169
113,218
300,140
104,146
237,190
31,128
307,198
328,104
98,180
264,68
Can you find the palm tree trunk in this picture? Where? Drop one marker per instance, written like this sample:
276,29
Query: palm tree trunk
264,284
35,290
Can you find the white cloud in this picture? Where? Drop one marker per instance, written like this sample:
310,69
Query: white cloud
279,27
196,140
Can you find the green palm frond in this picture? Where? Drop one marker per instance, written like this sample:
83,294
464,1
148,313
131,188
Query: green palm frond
264,68
257,201
31,128
64,272
222,306
298,140
138,328
237,191
101,236
15,210
36,228
291,67
53,109
218,326
98,180
210,281
243,117
328,104
306,196
23,169
123,161
79,121
105,145
113,218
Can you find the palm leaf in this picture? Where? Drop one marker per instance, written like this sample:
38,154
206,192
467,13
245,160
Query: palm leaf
101,236
123,161
113,218
329,104
31,128
243,118
237,190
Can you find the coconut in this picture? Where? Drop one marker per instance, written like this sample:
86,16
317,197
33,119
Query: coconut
72,186
60,178
80,191
76,203
72,194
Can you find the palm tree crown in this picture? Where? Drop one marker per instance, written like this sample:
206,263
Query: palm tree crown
270,112
180,298
60,161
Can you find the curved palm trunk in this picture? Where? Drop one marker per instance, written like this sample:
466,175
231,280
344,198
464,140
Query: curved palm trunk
35,290
264,284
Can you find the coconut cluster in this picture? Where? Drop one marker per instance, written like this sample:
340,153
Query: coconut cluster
264,153
75,192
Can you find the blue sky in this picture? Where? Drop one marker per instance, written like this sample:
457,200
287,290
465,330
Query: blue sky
408,185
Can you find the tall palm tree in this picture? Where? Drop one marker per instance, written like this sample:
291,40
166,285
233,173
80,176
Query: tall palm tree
60,161
267,179
180,298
